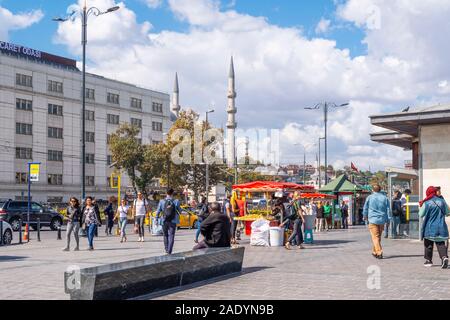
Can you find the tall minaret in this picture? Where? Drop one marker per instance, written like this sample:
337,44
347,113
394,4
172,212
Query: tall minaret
231,123
175,108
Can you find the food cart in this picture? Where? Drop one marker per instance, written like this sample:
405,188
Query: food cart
267,188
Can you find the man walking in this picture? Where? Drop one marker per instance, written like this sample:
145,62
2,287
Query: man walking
377,212
170,209
344,210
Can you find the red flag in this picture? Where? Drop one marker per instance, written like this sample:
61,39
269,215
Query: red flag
354,168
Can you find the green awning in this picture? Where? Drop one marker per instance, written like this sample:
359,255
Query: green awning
340,184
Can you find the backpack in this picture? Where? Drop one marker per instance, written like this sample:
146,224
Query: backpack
169,210
291,211
397,208
203,212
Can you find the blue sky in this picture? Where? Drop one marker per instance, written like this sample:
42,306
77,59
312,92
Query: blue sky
303,14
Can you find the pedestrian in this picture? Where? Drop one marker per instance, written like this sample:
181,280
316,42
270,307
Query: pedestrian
313,212
109,214
122,216
235,209
229,212
203,213
434,231
376,212
344,210
297,218
320,222
242,204
327,215
396,214
91,221
170,209
140,209
216,230
73,225
97,212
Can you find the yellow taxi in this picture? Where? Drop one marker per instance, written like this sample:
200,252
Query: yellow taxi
188,217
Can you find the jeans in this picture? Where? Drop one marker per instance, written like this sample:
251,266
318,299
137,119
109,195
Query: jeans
123,225
297,233
395,223
386,229
233,228
345,222
197,234
441,247
376,230
169,229
91,229
140,223
75,228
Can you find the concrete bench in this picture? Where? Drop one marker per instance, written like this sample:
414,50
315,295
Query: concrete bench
130,279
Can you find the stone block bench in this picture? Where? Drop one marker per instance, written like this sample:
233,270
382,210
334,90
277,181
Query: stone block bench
130,279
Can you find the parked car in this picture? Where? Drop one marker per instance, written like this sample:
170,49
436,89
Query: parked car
188,218
12,211
7,232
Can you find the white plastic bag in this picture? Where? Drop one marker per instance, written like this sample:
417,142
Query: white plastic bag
260,233
156,228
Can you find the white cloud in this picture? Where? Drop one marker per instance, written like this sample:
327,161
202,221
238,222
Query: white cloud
153,4
279,70
323,26
10,21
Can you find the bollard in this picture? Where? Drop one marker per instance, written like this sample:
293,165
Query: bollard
20,231
1,232
39,229
59,234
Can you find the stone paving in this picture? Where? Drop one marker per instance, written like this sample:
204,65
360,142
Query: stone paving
335,267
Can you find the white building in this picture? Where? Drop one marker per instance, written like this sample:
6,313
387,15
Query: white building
40,121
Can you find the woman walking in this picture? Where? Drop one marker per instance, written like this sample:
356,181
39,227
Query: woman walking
122,216
434,209
298,219
90,221
74,218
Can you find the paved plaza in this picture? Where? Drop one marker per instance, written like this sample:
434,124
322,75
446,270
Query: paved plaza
338,266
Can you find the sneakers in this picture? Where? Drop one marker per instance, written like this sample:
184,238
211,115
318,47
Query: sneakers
444,263
428,264
66,249
76,249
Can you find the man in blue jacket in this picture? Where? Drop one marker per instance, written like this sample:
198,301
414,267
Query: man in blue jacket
170,209
377,212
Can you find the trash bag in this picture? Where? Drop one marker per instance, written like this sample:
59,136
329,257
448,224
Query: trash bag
260,233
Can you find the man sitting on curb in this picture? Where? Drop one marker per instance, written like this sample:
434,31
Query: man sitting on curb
216,230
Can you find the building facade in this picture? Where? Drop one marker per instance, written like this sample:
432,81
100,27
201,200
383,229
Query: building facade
40,121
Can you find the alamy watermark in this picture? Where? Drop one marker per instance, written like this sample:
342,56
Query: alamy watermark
73,278
374,278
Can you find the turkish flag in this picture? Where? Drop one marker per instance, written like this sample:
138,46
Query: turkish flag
354,168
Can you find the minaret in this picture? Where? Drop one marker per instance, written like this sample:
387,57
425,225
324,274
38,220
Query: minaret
175,108
231,123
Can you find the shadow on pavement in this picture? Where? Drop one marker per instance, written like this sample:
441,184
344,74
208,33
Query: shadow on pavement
11,258
403,256
201,283
330,242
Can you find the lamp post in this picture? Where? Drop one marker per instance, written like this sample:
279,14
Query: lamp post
325,106
207,163
84,17
320,178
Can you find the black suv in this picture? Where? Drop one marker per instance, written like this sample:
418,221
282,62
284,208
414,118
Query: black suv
12,211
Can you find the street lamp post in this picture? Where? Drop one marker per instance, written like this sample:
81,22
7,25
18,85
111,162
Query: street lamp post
84,17
320,178
325,106
206,162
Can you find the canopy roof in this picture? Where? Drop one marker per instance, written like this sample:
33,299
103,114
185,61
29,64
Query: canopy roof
317,196
271,186
341,184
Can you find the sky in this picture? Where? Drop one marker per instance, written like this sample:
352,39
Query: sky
377,55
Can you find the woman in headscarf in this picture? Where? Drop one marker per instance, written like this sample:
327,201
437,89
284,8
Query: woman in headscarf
434,209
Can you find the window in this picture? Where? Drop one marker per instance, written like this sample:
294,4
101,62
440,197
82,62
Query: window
89,115
54,179
51,199
136,103
55,109
157,126
90,181
24,153
24,80
136,122
55,133
108,139
90,94
89,136
24,128
54,155
54,86
112,98
21,178
157,107
90,158
115,181
22,104
113,119
109,160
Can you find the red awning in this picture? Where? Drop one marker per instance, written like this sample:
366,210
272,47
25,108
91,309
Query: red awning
317,196
271,186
